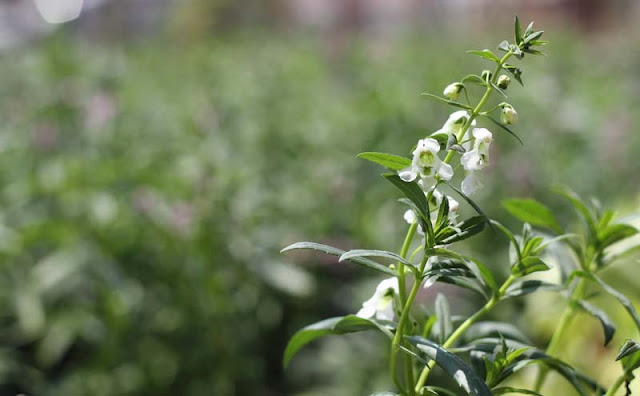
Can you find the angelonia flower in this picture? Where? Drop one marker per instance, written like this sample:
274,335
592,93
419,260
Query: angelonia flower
452,91
476,159
427,165
455,122
503,82
509,115
380,305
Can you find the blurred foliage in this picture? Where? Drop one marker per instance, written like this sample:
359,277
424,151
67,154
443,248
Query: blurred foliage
146,189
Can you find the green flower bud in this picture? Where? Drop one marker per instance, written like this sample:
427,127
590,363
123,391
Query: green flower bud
503,82
452,91
509,114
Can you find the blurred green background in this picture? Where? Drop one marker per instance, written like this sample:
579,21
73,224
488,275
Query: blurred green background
156,156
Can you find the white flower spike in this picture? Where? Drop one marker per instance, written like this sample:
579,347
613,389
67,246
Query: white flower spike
380,305
475,160
427,165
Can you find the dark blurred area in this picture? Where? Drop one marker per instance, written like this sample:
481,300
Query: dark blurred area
155,156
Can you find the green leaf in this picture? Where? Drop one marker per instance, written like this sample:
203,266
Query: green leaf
486,54
515,72
412,191
529,265
630,347
615,233
447,101
467,228
528,30
510,236
626,303
525,287
443,317
495,329
534,355
357,253
455,367
608,327
533,212
533,36
503,390
481,272
470,202
386,394
338,252
497,89
517,30
393,162
580,208
338,325
503,127
437,390
474,79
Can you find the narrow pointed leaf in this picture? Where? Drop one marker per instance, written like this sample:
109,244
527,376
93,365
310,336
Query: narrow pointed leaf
630,347
486,54
338,252
393,162
503,127
338,325
533,212
447,101
523,288
356,253
608,327
455,367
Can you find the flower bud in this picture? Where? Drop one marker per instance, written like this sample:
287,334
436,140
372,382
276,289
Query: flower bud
509,115
486,75
503,82
452,91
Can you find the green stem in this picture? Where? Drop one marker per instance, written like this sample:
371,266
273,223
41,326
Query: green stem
563,325
404,316
464,327
616,385
402,289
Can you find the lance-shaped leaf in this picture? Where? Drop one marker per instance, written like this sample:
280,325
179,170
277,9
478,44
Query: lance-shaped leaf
608,327
447,101
525,287
503,127
393,162
615,233
338,325
479,269
504,390
444,324
626,303
580,208
455,367
630,347
357,253
529,265
466,229
533,212
487,329
338,252
412,191
486,54
533,355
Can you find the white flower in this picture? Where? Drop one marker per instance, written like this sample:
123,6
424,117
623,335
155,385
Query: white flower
509,115
426,164
452,91
476,159
380,305
455,122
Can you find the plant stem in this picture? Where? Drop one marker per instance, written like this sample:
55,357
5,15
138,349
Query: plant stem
565,321
616,385
404,316
402,289
464,327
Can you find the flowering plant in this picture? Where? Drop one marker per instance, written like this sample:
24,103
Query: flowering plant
479,356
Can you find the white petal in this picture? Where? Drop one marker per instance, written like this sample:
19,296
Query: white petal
409,216
453,204
471,160
483,135
408,174
445,171
367,311
431,145
427,183
470,184
389,283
